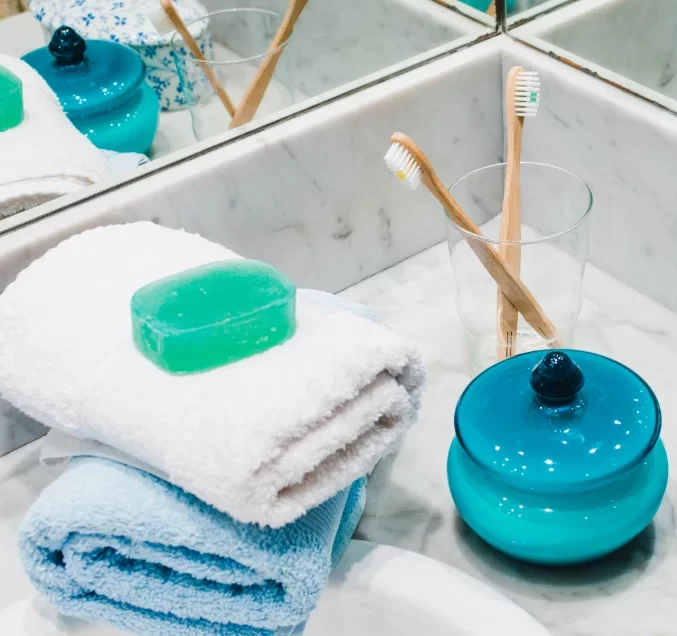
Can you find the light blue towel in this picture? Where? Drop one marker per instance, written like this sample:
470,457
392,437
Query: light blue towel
106,542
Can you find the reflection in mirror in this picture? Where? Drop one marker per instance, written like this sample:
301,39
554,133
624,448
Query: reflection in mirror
629,42
481,10
518,11
92,90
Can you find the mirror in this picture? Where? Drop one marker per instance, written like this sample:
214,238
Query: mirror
481,10
629,43
193,75
519,11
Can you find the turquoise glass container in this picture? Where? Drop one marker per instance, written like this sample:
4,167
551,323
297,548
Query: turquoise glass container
101,88
557,459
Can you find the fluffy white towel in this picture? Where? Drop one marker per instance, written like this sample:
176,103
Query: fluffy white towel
45,156
264,439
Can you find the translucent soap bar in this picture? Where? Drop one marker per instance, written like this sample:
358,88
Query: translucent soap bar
213,315
11,100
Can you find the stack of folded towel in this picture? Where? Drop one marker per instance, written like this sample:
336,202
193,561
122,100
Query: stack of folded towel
213,503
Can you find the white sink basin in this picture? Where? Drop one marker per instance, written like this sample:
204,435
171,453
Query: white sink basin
380,590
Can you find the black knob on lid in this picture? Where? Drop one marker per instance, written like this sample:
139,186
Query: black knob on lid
67,46
557,378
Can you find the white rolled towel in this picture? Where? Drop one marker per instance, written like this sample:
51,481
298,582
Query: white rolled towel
264,439
45,156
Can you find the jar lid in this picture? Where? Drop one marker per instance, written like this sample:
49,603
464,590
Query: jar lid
559,421
87,77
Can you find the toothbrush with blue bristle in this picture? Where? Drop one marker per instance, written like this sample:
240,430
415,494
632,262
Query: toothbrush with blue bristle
411,167
522,98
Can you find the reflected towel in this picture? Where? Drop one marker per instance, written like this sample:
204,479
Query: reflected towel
45,156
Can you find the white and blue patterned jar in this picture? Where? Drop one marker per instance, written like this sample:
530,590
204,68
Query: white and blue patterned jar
126,22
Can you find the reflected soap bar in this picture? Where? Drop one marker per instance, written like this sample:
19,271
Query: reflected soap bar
213,315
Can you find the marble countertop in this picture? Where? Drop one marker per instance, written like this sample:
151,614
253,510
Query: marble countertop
630,593
633,592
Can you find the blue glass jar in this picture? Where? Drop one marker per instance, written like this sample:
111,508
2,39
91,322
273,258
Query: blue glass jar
557,458
101,88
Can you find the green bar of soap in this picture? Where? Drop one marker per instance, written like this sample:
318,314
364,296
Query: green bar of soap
213,315
11,100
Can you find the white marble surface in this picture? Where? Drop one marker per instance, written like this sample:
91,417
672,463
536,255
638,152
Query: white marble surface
625,149
16,429
630,593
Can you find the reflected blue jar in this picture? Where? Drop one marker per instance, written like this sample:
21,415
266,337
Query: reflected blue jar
483,5
557,459
101,88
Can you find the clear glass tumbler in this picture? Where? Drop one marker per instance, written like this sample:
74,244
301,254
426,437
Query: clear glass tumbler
554,211
240,39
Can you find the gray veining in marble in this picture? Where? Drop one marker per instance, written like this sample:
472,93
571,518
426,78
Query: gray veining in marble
630,593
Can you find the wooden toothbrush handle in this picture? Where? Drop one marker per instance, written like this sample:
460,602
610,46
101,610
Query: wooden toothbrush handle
257,88
506,314
511,285
179,25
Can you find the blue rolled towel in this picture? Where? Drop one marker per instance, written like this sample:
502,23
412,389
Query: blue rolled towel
106,542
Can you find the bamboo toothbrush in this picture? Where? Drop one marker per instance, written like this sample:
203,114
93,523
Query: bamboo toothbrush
410,165
256,90
167,20
522,92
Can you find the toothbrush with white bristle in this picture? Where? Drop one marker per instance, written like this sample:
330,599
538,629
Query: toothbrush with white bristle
166,19
410,165
159,19
522,98
527,92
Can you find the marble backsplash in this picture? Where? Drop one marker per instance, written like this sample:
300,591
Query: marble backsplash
312,195
626,149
